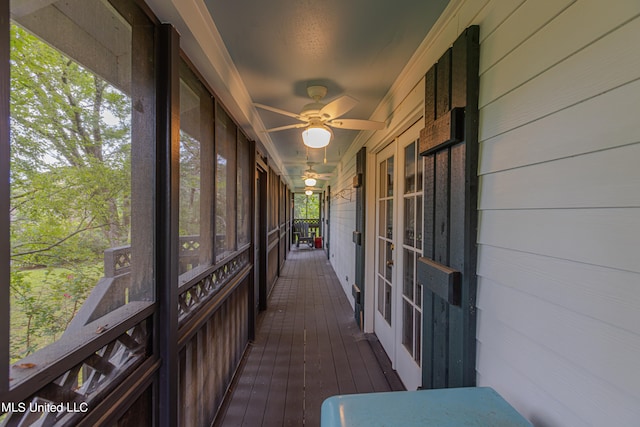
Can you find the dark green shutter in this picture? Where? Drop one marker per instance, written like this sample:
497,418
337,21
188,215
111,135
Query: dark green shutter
447,270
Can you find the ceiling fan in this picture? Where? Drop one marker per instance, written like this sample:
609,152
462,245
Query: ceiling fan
318,118
310,176
310,190
310,172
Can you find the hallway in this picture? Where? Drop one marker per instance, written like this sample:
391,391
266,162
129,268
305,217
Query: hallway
308,347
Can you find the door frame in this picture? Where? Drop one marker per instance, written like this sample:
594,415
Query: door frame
391,336
385,330
414,105
260,279
405,365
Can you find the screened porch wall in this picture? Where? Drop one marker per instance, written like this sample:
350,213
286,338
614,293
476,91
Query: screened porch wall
139,360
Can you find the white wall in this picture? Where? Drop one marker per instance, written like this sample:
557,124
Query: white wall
342,251
559,232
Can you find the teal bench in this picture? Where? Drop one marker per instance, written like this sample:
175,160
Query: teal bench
474,406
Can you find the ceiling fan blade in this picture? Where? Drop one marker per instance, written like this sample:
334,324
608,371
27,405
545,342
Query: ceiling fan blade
295,126
279,111
357,124
338,107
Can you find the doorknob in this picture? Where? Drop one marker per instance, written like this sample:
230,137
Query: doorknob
390,263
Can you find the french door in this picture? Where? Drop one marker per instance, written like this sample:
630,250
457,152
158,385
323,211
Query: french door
385,277
398,319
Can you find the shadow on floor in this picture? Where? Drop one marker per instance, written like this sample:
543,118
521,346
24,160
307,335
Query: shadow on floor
308,347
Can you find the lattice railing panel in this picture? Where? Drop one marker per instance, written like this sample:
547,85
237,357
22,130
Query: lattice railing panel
117,261
65,400
197,293
189,244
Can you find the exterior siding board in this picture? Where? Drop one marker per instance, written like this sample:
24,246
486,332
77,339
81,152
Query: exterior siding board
538,141
558,263
523,21
589,70
607,295
343,223
550,45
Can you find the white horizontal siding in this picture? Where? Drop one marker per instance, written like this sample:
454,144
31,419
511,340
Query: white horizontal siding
604,294
589,126
608,63
593,346
559,230
559,226
576,28
524,21
605,237
592,400
529,399
573,182
343,223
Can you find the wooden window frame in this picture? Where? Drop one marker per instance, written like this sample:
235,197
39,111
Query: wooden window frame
120,320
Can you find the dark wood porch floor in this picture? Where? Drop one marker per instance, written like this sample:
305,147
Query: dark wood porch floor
308,347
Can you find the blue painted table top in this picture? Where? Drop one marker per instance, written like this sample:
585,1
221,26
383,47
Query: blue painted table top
473,406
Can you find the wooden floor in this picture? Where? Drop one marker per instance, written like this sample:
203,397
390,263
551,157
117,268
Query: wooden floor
308,347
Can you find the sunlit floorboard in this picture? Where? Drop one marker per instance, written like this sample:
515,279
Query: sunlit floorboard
308,347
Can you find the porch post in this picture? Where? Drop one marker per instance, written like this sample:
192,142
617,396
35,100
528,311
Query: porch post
167,178
4,198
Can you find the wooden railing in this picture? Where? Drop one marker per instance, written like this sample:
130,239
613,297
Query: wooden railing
196,292
78,370
106,351
213,334
313,224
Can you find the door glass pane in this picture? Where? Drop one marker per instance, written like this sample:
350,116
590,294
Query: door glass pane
383,180
410,168
420,175
387,303
390,177
407,325
389,261
382,254
389,214
409,220
418,334
407,288
382,220
381,288
419,223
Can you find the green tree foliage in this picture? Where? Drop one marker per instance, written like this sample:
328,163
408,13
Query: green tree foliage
70,184
306,207
189,185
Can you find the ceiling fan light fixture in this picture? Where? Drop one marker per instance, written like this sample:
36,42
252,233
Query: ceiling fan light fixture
310,182
308,192
316,136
